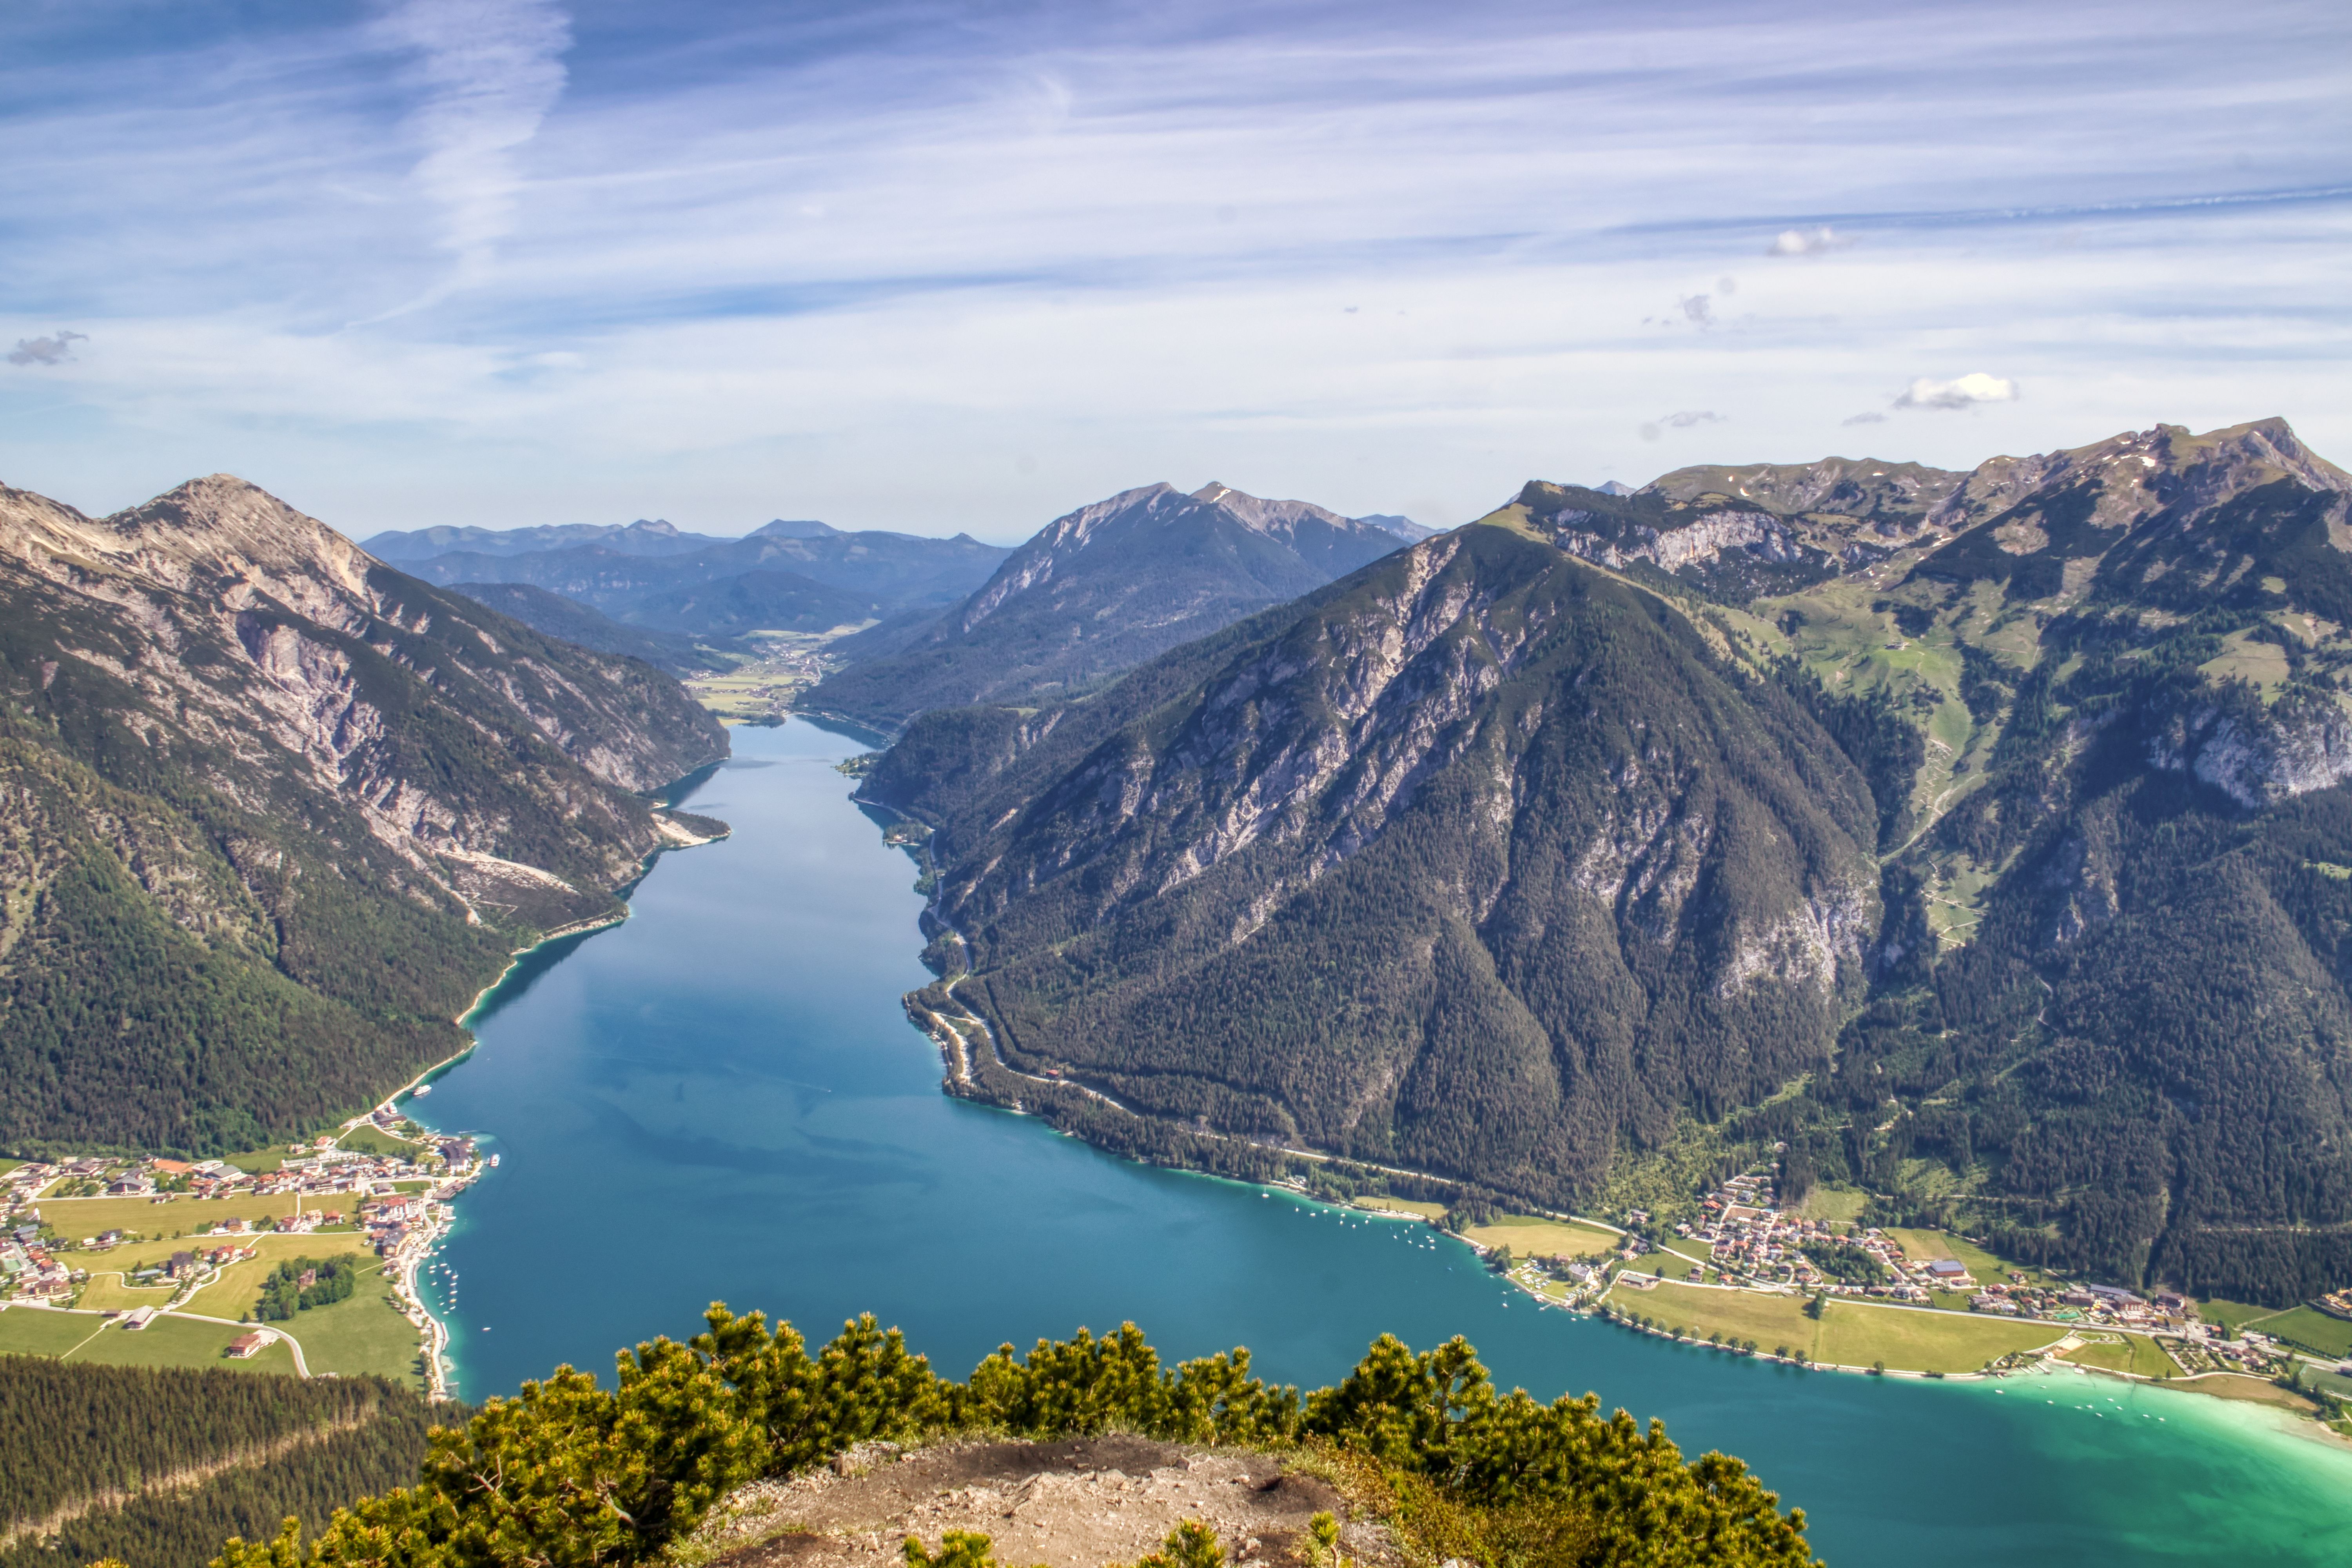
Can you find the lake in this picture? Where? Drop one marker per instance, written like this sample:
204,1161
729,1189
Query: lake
722,1099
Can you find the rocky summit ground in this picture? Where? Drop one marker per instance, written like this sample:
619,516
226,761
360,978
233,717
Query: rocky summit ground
1081,1503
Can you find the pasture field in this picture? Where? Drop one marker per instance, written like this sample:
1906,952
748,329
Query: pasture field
363,1333
2330,1336
167,1341
1770,1320
168,1218
1912,1339
1528,1236
2125,1353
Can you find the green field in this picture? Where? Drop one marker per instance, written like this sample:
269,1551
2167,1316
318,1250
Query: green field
167,1341
238,1287
369,1139
1770,1320
2134,1354
1405,1205
1665,1264
1838,1206
2310,1326
1912,1340
107,1293
29,1331
2232,1314
1528,1236
75,1218
361,1334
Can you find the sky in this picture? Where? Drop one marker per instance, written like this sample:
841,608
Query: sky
966,267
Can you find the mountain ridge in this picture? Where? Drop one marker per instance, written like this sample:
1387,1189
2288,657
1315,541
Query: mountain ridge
280,809
2099,702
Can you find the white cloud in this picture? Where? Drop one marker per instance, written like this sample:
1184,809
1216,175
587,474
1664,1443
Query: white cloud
55,349
1807,241
1967,392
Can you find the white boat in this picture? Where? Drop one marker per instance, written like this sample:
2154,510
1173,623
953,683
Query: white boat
423,1089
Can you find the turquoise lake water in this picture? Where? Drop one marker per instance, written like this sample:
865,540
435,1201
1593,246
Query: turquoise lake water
722,1100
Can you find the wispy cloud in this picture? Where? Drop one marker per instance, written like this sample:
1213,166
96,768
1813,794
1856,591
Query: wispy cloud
1863,418
55,349
1970,390
1682,420
739,260
488,71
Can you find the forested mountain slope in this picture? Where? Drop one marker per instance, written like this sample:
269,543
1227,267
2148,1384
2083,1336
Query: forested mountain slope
1099,591
274,811
2071,732
1478,861
591,628
157,1466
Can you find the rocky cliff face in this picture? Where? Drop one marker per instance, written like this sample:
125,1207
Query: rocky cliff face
345,791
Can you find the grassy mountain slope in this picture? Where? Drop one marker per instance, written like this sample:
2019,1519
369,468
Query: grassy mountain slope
1476,860
1098,592
274,812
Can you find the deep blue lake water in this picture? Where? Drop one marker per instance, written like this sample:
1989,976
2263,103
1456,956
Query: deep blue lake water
722,1100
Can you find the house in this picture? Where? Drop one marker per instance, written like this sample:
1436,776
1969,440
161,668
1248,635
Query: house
1948,1268
183,1264
245,1345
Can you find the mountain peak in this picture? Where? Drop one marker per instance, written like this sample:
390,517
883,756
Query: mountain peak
222,524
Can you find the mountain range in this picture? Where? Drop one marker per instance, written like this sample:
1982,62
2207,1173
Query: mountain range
1098,592
1976,839
786,576
276,811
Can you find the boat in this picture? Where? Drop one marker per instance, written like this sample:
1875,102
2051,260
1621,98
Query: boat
494,1162
423,1089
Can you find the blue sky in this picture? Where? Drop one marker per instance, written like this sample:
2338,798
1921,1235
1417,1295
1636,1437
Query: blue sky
940,267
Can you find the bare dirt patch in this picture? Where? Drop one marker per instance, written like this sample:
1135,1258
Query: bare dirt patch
1079,1503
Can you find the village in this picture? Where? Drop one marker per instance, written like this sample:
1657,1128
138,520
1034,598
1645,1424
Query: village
1745,1263
128,1241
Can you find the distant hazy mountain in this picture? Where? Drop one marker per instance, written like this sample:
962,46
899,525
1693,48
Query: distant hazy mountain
577,623
272,812
1982,841
1103,589
647,536
812,577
